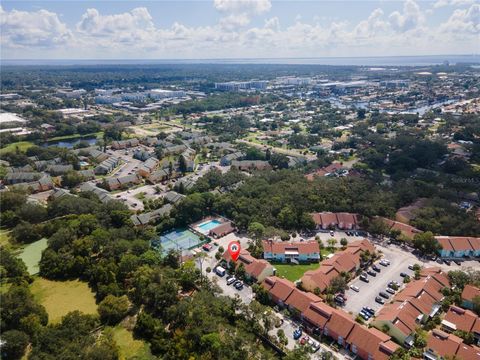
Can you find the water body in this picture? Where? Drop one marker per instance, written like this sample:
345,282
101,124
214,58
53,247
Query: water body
70,143
358,61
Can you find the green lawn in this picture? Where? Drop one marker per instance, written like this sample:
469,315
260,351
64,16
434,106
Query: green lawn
31,255
61,297
294,272
98,135
22,146
128,346
4,237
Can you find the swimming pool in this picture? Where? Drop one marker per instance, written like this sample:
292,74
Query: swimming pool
209,225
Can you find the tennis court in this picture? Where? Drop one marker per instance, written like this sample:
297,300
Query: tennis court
182,239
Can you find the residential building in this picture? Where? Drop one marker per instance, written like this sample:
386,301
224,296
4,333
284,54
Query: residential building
329,220
468,294
458,246
173,197
417,302
21,177
148,167
158,176
56,170
405,229
255,269
441,344
249,165
107,166
348,261
122,182
307,251
370,343
124,144
461,319
150,217
227,159
102,194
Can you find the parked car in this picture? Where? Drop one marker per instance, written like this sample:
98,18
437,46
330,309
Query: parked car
354,288
371,273
439,261
339,300
304,340
314,345
297,334
457,262
369,310
364,278
331,233
220,271
390,290
410,266
207,247
384,295
238,285
379,300
231,280
448,262
364,316
402,274
376,268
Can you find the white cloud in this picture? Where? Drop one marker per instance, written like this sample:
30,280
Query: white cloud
39,28
243,6
372,26
464,22
129,27
133,34
234,21
443,3
411,17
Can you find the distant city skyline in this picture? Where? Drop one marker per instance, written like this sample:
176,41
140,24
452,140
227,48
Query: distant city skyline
222,29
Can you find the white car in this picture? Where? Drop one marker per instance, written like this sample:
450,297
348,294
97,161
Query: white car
314,345
354,288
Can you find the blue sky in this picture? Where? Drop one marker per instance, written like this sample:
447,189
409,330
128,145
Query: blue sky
236,29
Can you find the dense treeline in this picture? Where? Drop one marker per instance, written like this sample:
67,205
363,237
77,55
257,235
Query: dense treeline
97,243
284,199
154,75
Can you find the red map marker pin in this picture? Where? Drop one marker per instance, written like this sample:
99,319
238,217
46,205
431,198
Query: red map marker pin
234,250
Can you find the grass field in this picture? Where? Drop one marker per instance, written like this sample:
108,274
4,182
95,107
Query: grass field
4,237
62,297
31,255
22,146
129,347
98,135
294,272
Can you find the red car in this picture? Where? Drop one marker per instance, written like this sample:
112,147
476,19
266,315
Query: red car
207,247
303,340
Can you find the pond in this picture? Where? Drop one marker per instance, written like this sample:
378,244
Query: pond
70,143
32,254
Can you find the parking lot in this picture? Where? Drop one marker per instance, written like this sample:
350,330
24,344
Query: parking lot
326,235
399,262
